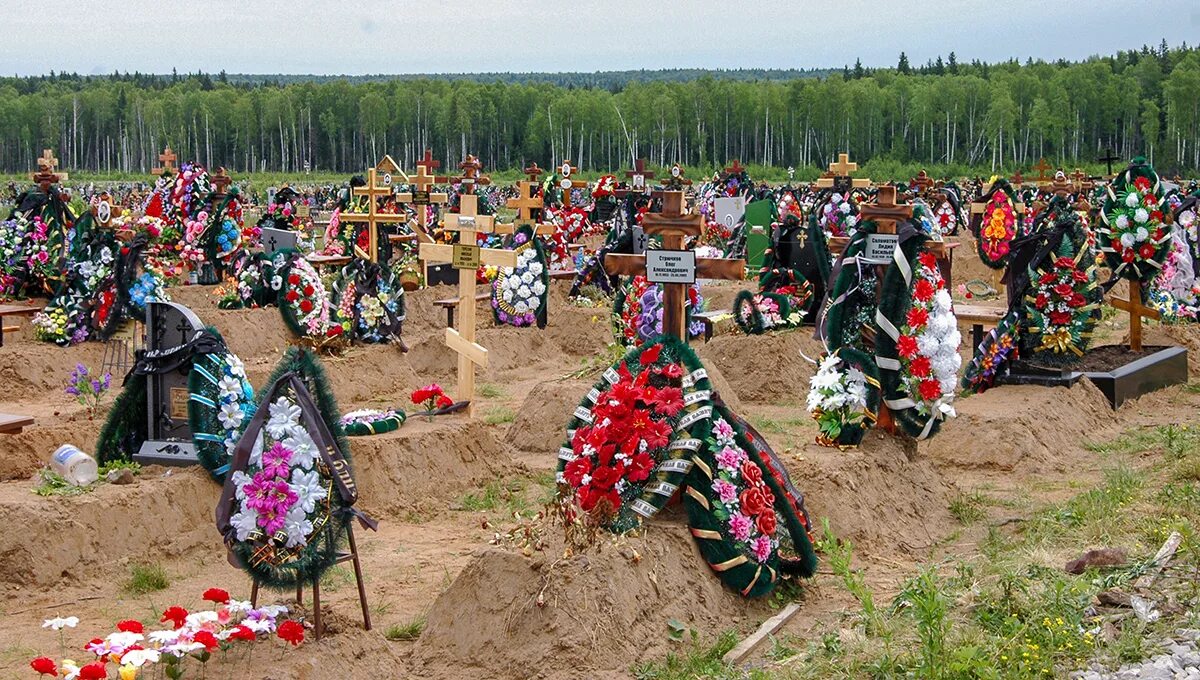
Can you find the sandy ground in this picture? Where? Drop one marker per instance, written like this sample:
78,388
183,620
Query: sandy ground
600,613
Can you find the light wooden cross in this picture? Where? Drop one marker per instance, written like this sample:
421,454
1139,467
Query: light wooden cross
567,184
637,180
423,198
1083,183
1042,167
466,257
1061,186
922,181
528,202
470,177
373,190
46,176
675,226
840,176
1136,311
220,182
885,212
167,158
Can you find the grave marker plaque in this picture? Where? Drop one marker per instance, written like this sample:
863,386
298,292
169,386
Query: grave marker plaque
169,327
277,239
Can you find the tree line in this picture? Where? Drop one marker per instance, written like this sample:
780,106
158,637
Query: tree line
994,117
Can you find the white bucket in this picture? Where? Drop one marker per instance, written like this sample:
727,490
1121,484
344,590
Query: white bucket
74,465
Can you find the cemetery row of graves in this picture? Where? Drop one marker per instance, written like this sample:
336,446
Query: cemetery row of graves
911,295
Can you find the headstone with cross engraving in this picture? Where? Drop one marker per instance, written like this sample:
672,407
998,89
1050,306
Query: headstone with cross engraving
169,327
466,256
278,239
673,266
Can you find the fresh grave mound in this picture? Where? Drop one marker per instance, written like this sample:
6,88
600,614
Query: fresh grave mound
763,369
1029,427
537,426
34,370
600,613
27,452
1186,335
425,465
165,513
878,496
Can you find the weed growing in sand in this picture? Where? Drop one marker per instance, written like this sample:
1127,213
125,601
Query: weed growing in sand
500,415
406,631
968,508
490,391
50,483
497,495
146,578
336,578
838,555
698,661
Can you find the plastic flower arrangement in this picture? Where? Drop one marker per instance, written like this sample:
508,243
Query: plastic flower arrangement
837,400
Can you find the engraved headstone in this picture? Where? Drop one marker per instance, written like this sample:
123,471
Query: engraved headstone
169,328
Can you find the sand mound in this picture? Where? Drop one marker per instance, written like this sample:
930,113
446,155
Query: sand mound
602,612
763,368
539,426
1051,422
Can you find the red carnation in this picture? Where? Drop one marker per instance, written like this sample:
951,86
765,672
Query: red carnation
176,615
673,371
130,626
591,498
930,389
928,260
605,477
93,671
906,345
443,401
207,639
917,317
306,306
1076,300
1060,318
650,355
766,523
242,633
920,367
924,290
1080,276
291,631
1116,244
291,296
334,331
753,501
752,473
1146,251
1128,255
294,279
216,595
44,666
308,290
574,471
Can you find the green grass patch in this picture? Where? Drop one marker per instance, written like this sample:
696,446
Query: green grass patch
146,578
497,495
490,391
968,508
500,415
404,632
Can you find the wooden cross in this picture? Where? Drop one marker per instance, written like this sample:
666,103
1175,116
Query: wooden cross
528,203
839,176
885,212
676,181
734,169
167,158
422,198
922,181
467,257
1109,158
1083,183
567,184
1042,166
1017,180
1136,311
638,175
1061,186
470,177
104,210
675,226
533,172
373,190
45,177
220,182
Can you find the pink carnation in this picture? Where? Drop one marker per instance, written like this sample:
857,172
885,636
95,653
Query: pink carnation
762,548
725,491
739,526
730,459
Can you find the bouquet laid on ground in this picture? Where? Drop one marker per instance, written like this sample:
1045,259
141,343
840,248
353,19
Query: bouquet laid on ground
843,397
369,421
189,638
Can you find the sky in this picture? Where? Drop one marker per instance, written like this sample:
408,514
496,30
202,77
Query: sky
455,36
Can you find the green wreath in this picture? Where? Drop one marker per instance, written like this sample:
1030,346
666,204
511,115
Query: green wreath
749,527
849,433
1062,305
853,299
1133,234
220,402
532,271
665,363
998,226
367,422
749,316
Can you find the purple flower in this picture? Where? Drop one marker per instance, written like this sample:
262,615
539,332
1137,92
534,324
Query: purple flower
72,390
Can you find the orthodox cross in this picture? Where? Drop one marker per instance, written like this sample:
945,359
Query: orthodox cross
220,183
1083,183
104,210
1042,167
839,178
675,226
1136,311
388,169
1017,180
167,158
470,177
1061,186
373,190
637,179
46,176
421,197
734,169
1109,158
885,212
922,182
567,184
466,257
528,203
676,181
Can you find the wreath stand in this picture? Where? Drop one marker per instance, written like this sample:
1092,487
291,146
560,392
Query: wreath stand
351,556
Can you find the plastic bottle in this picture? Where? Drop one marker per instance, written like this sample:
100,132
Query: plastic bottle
75,466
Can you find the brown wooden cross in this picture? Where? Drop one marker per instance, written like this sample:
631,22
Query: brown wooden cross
528,202
735,169
1042,167
1017,180
373,190
922,182
220,183
167,158
470,177
533,172
675,226
467,257
1136,311
422,198
675,179
1083,183
638,176
567,184
840,176
885,212
1061,186
46,176
104,209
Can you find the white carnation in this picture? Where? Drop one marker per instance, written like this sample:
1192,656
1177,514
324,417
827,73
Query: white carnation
1132,199
1140,216
1122,221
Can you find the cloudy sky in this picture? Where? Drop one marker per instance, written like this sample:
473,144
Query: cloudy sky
359,37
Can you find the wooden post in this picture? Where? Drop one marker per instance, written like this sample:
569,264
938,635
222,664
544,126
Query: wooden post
1136,311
